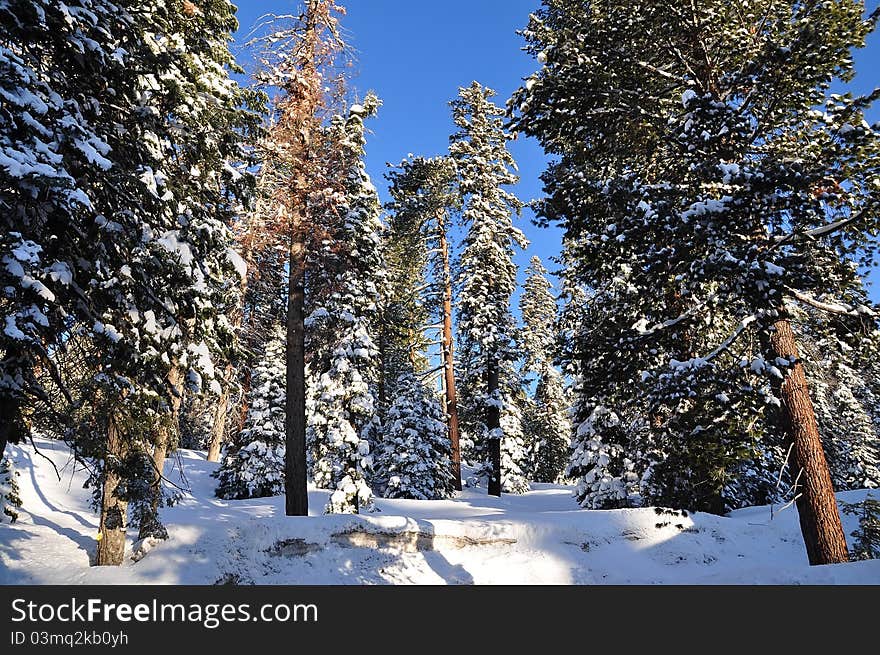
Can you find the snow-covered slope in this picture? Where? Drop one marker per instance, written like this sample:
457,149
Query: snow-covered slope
541,537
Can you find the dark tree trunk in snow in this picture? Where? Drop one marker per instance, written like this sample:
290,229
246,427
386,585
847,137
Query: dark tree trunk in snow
448,361
493,423
6,421
12,425
295,487
111,533
817,507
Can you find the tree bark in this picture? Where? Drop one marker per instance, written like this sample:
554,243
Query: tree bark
493,423
218,429
111,533
449,359
817,507
295,485
12,424
7,417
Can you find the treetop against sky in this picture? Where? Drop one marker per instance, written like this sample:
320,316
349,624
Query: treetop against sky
415,56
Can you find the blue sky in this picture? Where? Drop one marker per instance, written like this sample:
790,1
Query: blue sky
415,54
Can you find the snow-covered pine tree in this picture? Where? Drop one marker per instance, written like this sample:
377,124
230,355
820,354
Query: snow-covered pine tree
703,177
601,461
866,537
207,188
418,257
127,245
414,459
486,282
608,445
546,417
49,150
344,425
842,372
253,459
605,446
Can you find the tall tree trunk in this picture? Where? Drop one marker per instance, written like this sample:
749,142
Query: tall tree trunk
295,486
151,526
449,359
493,423
817,507
218,429
111,533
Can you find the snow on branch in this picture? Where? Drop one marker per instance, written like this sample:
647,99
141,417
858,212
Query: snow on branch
697,362
831,307
642,329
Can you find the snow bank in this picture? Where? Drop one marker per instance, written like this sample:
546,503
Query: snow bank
539,537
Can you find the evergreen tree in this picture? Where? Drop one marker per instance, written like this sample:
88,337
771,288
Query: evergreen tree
704,193
406,309
414,460
548,425
205,193
601,461
253,460
867,535
842,371
514,451
486,282
344,424
420,282
129,246
50,149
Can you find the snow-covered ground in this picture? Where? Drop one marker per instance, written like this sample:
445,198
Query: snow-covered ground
541,537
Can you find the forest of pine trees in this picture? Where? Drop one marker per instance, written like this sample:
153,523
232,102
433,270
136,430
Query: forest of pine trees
189,260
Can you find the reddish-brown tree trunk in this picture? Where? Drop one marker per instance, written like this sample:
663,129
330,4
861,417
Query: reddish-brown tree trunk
817,507
111,531
449,359
493,423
